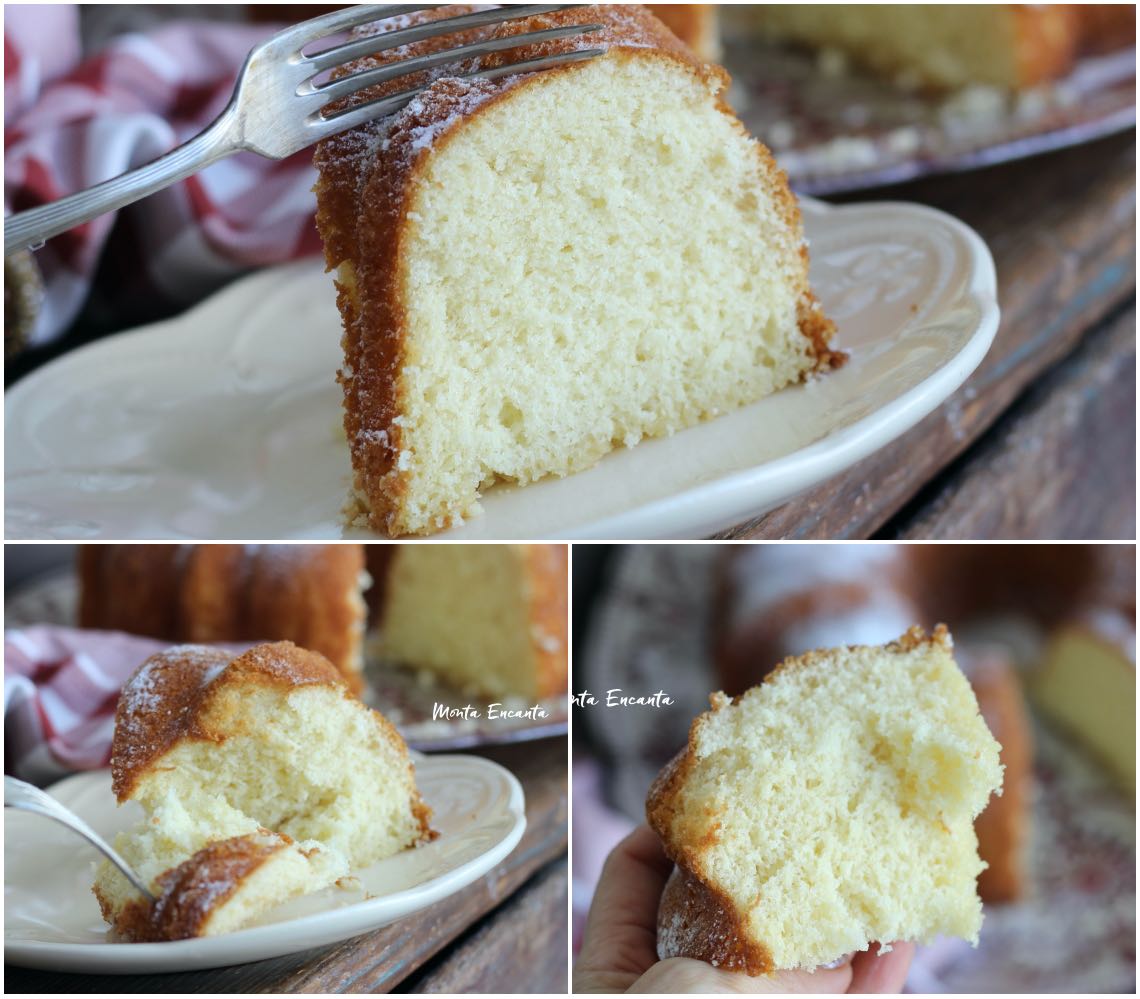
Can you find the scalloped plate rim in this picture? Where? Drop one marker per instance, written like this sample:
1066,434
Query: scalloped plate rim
274,939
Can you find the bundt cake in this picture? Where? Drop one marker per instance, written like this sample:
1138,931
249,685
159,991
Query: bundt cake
1087,686
829,807
491,618
537,270
261,777
694,23
377,559
949,45
223,887
308,594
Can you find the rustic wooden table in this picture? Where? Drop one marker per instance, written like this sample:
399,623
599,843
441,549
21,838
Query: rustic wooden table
508,933
1041,441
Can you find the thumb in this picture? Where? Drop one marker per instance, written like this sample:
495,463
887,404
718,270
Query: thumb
682,974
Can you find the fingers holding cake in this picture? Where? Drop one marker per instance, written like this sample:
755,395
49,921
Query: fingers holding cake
620,941
619,949
881,971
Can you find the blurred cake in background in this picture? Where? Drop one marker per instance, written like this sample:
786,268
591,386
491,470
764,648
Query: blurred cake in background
770,599
489,618
696,24
1087,686
1003,827
307,594
947,46
481,618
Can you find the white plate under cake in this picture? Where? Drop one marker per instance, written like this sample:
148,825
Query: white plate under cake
225,422
52,920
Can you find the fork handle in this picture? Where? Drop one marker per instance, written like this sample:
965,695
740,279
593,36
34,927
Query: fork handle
31,228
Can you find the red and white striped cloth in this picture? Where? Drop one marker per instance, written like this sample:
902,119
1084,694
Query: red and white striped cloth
70,124
61,686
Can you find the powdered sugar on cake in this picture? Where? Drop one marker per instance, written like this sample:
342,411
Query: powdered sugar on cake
447,96
143,694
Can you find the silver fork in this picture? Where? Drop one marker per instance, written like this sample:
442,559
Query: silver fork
27,798
279,107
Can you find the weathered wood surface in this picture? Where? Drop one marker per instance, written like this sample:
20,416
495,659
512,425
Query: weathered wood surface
521,949
1062,229
1060,464
381,961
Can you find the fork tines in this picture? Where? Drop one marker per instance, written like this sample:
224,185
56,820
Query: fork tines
328,123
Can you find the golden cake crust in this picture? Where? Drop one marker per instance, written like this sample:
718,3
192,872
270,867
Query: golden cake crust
697,921
175,695
694,918
366,186
189,894
308,594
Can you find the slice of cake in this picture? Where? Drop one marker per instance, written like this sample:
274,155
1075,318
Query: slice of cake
537,270
261,777
830,807
223,887
1087,686
488,618
775,601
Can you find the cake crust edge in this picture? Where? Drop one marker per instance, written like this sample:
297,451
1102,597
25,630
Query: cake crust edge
364,195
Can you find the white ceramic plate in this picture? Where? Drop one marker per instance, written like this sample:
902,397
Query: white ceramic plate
225,422
52,921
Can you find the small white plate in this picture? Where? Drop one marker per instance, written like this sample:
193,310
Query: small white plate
52,921
225,421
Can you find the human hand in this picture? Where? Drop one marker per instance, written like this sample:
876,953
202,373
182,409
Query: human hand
619,946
